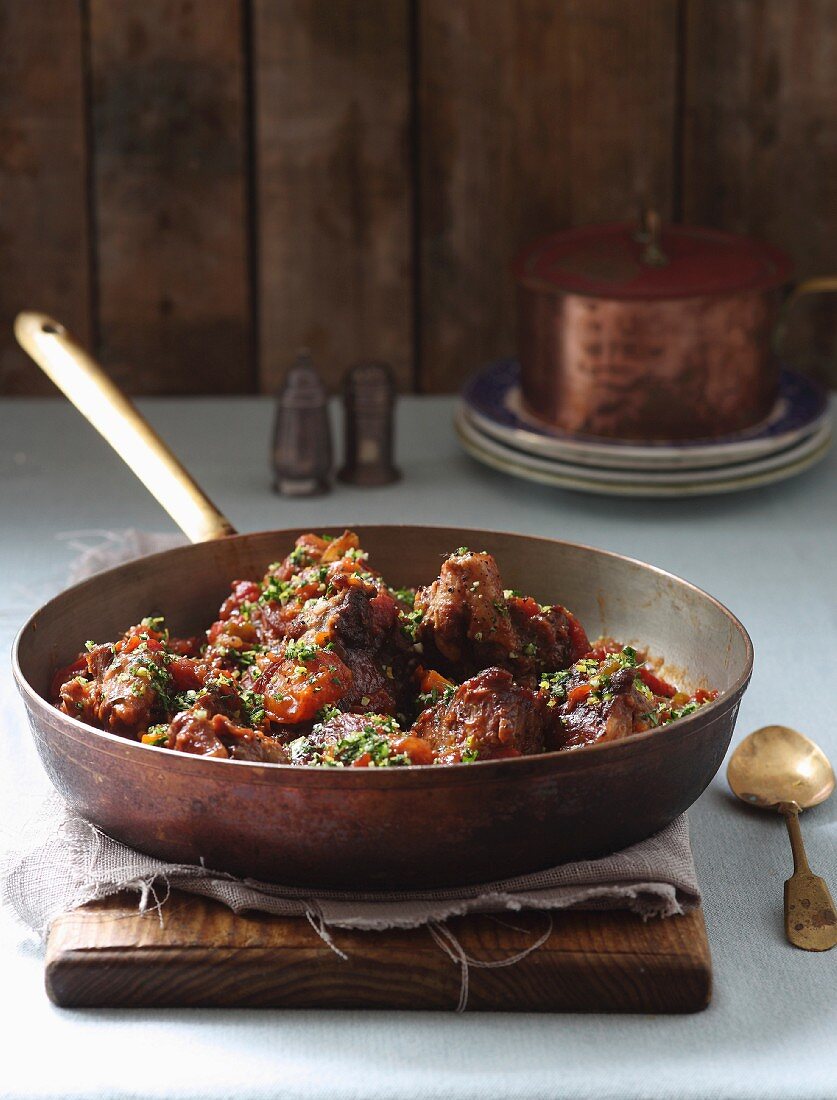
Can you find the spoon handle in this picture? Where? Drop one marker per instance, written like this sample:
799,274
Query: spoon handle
810,918
790,812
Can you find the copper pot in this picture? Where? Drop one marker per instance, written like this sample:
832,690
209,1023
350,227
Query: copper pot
663,333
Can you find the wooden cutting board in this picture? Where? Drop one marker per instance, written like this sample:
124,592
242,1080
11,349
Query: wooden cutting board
107,955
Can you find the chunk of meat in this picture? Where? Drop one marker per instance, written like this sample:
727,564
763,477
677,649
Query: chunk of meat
588,716
360,741
269,609
80,698
367,637
209,728
133,691
546,637
284,601
126,690
463,612
361,623
488,717
470,622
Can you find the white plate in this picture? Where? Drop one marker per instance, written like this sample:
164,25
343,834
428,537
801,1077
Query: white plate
493,399
744,475
466,425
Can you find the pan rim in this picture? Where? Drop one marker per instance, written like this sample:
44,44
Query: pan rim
481,768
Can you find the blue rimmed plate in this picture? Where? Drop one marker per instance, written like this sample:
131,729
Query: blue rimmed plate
494,404
643,483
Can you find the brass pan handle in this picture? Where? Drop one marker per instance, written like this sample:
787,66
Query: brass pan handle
110,412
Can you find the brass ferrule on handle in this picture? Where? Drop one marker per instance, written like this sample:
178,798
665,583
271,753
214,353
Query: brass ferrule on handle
111,413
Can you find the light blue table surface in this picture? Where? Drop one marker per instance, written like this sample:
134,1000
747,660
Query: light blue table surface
770,554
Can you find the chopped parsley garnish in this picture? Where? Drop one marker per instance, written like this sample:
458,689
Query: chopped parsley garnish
410,622
405,595
687,708
431,698
244,658
146,673
276,591
301,651
555,685
326,713
157,735
300,555
367,742
588,666
651,717
643,689
591,671
252,706
185,699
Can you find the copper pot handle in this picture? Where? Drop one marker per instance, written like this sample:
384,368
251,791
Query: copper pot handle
110,412
819,284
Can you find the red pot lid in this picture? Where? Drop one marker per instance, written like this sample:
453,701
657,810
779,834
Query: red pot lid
606,261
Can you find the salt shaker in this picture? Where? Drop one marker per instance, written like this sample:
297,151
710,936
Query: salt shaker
302,454
369,403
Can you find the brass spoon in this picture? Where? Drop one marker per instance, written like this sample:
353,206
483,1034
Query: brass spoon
777,768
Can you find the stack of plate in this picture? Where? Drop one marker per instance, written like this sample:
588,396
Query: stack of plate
494,426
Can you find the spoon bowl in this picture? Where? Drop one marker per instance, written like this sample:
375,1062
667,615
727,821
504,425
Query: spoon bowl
778,764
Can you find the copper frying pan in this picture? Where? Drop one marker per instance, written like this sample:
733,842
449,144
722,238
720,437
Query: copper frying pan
361,828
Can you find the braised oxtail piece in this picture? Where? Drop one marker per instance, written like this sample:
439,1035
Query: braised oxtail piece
489,717
469,621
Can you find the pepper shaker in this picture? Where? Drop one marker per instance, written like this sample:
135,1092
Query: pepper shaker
302,453
369,404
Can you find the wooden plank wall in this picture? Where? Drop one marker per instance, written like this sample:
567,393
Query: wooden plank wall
169,171
45,256
760,141
332,99
199,187
520,134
